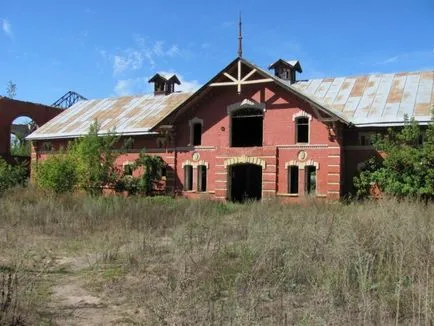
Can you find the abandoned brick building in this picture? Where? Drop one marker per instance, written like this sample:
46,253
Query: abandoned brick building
253,133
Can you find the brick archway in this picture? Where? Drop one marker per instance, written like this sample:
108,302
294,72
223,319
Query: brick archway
11,109
243,160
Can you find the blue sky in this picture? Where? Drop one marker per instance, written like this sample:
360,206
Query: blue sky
110,48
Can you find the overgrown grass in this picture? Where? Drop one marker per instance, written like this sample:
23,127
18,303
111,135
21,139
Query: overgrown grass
202,262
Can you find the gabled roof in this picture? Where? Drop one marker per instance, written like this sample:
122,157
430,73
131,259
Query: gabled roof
201,91
377,99
129,115
292,64
165,78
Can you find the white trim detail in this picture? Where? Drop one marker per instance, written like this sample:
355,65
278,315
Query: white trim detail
246,103
245,159
301,114
238,81
302,165
195,164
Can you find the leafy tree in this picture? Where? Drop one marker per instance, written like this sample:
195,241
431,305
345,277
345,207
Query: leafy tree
12,175
408,167
151,166
20,147
57,174
94,158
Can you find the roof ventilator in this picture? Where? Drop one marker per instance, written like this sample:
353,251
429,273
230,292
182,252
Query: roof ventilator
286,70
164,84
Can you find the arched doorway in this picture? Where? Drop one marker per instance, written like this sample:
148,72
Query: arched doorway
245,182
20,128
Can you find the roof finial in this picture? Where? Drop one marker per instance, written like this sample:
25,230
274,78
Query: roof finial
240,39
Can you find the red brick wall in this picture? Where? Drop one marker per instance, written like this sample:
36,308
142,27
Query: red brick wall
278,139
11,109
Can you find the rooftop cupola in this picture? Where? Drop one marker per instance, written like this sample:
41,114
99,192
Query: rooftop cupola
286,70
164,84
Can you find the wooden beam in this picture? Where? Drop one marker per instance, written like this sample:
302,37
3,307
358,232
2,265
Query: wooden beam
257,81
239,77
230,77
248,75
224,84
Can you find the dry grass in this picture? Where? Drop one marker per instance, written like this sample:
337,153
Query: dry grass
179,262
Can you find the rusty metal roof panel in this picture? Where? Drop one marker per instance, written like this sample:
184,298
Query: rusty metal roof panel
378,99
123,115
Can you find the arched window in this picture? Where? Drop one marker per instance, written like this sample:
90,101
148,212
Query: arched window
302,130
188,177
247,127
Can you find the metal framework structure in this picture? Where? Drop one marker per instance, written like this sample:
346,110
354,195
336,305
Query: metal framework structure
67,100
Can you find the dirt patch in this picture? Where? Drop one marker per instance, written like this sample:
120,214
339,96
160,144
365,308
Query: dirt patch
72,304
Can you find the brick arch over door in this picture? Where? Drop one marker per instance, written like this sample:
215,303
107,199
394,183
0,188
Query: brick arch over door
243,160
11,109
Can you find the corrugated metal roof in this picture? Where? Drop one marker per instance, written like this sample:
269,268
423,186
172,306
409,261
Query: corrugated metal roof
378,99
123,115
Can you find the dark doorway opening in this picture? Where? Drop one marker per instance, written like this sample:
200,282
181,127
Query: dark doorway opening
247,125
245,182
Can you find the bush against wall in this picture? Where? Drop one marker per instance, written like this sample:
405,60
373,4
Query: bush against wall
89,164
57,174
408,166
12,175
94,159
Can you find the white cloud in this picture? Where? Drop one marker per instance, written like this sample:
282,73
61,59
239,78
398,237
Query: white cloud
388,60
406,57
134,58
140,85
7,28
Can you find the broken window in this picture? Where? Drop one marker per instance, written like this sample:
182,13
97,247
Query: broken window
128,169
366,138
293,179
247,127
201,178
302,130
188,177
197,133
311,180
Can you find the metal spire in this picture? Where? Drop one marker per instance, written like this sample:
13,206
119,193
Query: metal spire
240,39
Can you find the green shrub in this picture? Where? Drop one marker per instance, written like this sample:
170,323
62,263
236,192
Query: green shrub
94,158
408,167
12,175
57,174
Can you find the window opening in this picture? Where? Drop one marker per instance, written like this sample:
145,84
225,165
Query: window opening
247,127
302,132
293,179
188,178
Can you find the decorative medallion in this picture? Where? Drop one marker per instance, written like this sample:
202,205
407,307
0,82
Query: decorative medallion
196,156
302,155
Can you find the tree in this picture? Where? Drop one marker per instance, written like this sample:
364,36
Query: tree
12,175
151,166
408,166
11,89
94,157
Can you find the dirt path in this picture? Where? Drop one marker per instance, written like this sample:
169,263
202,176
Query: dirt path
72,304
